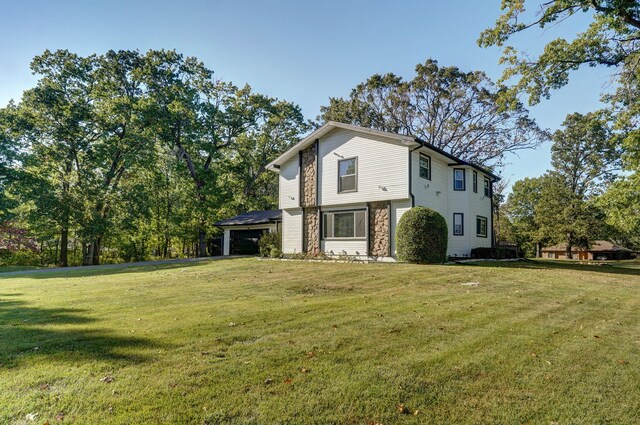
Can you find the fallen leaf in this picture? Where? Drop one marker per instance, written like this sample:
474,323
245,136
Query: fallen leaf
596,336
311,354
44,386
305,370
268,381
620,361
107,379
287,381
60,416
403,409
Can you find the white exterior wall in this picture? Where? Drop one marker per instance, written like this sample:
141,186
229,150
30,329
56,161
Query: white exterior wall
397,209
292,230
289,184
382,168
432,193
354,247
479,205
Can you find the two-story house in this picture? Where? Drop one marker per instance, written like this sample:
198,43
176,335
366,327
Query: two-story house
343,189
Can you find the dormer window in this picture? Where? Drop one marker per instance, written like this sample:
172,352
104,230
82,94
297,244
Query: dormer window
458,179
348,175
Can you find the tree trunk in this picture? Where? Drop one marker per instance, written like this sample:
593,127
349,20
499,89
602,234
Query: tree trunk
87,259
568,252
97,246
64,248
538,250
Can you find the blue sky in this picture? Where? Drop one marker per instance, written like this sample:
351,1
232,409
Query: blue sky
300,51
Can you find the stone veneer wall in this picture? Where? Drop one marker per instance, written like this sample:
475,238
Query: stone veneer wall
308,177
311,226
379,231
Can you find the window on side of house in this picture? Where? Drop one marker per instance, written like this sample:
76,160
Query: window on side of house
487,188
481,226
344,225
475,182
458,224
348,175
425,166
458,179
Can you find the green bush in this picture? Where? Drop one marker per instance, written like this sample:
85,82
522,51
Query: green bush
268,242
422,236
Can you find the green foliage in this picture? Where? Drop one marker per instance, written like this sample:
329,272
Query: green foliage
422,236
460,112
621,202
269,242
135,156
611,39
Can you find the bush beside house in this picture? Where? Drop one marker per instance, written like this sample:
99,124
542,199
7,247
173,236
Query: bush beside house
422,236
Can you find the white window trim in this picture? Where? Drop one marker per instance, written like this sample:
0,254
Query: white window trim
345,238
428,159
461,224
347,175
486,226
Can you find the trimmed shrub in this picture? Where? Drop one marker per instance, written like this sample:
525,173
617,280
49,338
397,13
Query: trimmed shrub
422,236
268,242
494,253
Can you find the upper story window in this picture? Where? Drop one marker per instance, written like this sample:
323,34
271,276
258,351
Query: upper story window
344,224
481,226
487,187
458,224
425,166
458,179
475,182
348,175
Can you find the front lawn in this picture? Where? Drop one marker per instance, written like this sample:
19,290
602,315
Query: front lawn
248,341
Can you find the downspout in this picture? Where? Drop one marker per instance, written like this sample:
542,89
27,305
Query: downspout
493,233
411,195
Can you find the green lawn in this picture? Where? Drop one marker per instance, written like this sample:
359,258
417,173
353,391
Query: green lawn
248,341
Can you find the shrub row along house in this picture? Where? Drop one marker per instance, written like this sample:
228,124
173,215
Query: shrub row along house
343,189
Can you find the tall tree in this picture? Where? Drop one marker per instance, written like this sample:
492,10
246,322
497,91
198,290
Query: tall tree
460,112
60,129
585,154
611,39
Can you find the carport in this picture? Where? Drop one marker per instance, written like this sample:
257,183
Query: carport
243,232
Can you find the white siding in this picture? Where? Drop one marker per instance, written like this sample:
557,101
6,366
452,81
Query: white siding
397,209
292,230
382,168
432,193
344,247
289,190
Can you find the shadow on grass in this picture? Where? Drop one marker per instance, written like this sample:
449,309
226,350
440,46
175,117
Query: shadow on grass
612,268
110,269
28,333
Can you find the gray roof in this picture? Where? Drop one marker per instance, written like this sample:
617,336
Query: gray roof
252,217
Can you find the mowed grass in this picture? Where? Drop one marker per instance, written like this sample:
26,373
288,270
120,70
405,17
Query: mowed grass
248,341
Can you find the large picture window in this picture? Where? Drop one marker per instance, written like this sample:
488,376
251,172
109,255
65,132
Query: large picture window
481,226
348,175
425,167
458,179
458,224
344,224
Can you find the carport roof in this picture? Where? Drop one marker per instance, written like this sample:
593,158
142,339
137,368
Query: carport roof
252,217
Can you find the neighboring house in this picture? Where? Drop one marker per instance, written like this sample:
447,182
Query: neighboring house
242,232
600,250
343,189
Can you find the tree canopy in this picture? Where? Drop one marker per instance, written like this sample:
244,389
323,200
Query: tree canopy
457,111
611,39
